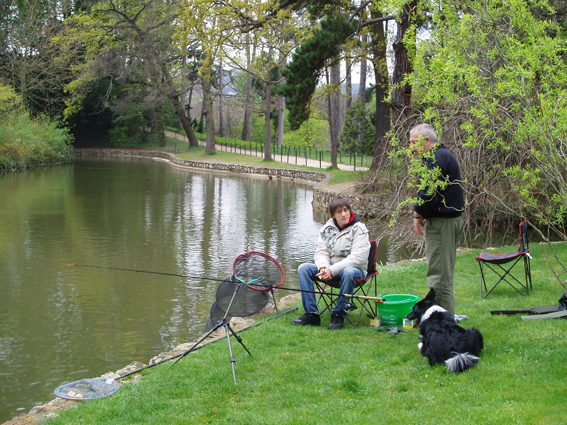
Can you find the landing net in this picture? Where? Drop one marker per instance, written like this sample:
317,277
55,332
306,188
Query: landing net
87,389
255,274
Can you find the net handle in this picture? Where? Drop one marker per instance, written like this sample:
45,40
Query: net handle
238,260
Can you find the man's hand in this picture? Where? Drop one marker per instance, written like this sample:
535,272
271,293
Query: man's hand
324,273
418,223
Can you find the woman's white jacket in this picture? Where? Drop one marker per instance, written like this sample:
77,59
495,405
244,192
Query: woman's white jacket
338,249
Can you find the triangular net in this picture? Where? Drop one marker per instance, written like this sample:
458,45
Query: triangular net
247,291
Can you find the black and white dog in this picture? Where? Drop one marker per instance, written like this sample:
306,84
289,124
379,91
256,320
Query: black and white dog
443,339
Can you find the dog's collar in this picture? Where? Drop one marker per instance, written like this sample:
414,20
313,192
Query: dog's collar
430,311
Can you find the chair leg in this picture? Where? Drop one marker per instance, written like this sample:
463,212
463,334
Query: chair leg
366,305
327,299
528,271
506,273
481,278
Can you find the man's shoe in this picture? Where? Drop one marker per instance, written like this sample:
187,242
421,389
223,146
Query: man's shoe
308,319
337,321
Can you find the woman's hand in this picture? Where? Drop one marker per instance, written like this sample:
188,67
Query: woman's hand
324,273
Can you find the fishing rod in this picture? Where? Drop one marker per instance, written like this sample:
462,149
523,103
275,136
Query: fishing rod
363,297
145,271
333,294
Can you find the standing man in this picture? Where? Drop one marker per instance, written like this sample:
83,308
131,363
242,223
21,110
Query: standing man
438,213
341,257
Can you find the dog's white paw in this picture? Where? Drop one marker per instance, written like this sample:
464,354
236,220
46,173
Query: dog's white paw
419,346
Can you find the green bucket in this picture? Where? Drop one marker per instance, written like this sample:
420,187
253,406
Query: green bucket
395,307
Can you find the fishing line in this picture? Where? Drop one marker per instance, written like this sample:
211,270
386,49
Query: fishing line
145,271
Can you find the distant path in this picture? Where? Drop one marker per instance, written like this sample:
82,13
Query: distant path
279,158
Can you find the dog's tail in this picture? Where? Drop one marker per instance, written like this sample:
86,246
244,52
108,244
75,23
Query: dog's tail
461,362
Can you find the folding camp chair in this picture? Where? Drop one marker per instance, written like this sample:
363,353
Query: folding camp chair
360,288
495,263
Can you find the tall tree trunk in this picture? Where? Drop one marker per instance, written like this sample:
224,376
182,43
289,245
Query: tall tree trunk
267,112
188,105
363,70
378,39
348,78
209,116
335,109
400,105
221,118
177,105
247,125
160,126
280,107
183,94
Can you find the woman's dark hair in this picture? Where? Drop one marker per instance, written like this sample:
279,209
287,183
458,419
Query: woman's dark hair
337,203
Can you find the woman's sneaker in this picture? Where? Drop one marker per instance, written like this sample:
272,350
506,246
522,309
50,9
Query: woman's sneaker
308,319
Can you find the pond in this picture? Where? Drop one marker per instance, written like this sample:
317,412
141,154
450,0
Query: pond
62,323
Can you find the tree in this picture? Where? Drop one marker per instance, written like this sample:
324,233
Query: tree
492,78
400,96
247,121
337,26
131,41
357,134
308,61
29,61
382,116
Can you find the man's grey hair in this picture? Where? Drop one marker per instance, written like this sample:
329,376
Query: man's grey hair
426,130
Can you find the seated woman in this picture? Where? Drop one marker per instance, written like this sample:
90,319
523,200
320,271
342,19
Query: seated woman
341,256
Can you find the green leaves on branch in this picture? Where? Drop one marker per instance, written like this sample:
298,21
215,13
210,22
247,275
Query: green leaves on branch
493,75
302,73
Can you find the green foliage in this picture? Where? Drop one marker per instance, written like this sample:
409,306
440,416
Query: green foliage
25,141
357,134
125,71
302,73
313,133
8,99
423,178
492,77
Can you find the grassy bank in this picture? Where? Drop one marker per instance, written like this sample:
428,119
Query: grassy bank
305,375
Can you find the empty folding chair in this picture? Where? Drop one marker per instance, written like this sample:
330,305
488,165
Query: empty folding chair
360,289
503,264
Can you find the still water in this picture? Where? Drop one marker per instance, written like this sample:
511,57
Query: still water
62,323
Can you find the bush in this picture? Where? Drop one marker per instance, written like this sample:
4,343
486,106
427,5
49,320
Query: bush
25,141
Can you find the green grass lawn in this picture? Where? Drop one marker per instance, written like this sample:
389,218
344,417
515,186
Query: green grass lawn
357,375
